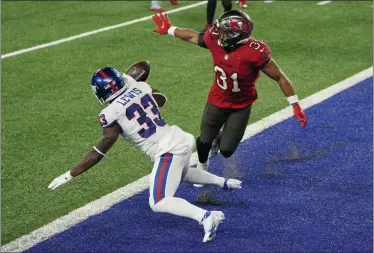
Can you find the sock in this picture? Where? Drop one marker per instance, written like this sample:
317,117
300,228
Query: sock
203,150
210,10
180,207
196,176
227,5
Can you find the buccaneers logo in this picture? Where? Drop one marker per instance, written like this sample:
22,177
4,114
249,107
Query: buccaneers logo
240,26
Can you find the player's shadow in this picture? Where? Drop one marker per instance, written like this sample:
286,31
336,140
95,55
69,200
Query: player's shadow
207,197
295,155
228,168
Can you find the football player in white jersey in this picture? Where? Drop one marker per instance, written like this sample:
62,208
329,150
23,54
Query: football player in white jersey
132,112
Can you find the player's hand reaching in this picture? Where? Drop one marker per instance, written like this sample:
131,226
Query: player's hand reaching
60,180
299,114
162,22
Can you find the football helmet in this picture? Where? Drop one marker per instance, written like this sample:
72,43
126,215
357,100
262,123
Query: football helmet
107,83
233,28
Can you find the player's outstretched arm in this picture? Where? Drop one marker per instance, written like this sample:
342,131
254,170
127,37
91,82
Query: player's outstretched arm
94,156
272,70
164,27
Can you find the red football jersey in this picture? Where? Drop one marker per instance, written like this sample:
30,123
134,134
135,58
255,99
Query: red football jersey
236,72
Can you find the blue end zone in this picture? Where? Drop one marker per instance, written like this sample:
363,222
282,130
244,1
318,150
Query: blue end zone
304,190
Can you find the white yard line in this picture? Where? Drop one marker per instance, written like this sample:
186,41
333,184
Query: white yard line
82,35
323,2
268,1
104,203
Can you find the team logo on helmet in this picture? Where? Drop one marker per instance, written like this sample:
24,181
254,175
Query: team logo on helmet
240,26
107,83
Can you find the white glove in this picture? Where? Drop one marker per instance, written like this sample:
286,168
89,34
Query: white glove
60,180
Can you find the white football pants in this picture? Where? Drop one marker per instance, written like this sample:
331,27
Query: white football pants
166,175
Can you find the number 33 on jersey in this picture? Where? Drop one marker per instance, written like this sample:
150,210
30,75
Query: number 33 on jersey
138,115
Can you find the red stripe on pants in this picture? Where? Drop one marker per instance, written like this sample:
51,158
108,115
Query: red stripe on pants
160,176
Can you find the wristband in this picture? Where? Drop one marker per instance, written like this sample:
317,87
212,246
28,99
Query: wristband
171,30
98,151
68,177
292,99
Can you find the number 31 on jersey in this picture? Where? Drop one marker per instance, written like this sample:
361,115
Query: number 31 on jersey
222,83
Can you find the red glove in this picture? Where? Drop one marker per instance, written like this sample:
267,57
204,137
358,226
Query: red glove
162,22
299,114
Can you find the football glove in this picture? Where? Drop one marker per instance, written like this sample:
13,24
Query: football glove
162,22
60,180
299,114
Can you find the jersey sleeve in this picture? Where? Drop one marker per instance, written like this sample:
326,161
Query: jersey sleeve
144,87
205,39
107,118
260,53
201,41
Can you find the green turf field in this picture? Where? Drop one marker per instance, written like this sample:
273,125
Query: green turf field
49,114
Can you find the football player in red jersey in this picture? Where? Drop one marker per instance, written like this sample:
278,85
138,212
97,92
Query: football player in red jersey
238,59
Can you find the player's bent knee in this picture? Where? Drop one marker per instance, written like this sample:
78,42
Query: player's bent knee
151,203
226,153
159,207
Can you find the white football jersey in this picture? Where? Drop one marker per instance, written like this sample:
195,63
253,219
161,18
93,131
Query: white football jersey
137,113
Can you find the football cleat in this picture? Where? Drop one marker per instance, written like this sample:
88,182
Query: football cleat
211,221
231,184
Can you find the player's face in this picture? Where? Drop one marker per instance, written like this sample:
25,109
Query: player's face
222,35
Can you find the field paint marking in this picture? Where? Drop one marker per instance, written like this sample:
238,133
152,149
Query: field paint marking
268,1
127,23
323,2
104,203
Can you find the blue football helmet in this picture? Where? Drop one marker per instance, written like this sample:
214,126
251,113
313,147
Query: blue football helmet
107,83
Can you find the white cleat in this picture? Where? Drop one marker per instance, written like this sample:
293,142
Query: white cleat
211,221
201,166
231,184
215,145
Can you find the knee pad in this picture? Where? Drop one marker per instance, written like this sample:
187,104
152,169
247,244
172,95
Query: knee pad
203,150
226,153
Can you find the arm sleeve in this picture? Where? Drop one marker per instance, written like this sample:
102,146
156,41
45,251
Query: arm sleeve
205,39
263,55
201,41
